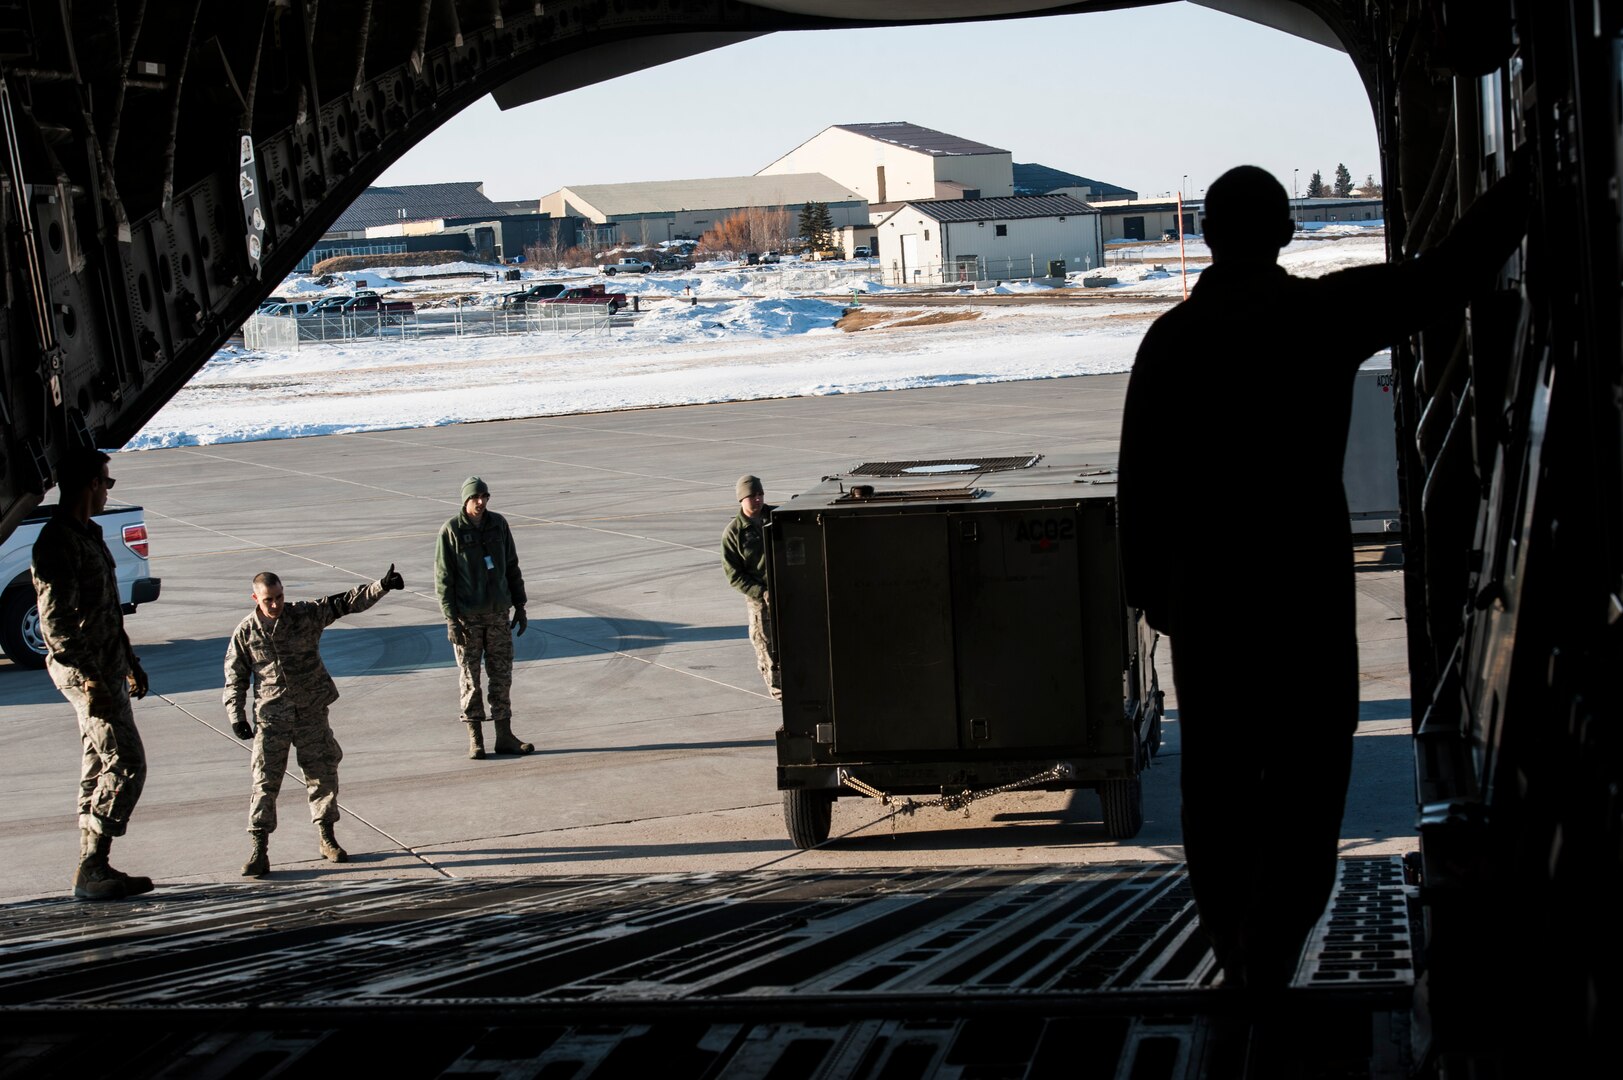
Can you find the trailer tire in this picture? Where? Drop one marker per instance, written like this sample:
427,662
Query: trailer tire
20,635
808,815
1123,802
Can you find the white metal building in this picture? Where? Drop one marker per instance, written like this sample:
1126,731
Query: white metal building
1149,219
984,239
1334,210
655,210
899,162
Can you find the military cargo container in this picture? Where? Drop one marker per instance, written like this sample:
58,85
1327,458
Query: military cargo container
949,626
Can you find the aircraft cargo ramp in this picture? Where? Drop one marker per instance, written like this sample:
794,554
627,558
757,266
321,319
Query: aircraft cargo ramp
964,972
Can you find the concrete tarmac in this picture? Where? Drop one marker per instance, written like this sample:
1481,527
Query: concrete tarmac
636,680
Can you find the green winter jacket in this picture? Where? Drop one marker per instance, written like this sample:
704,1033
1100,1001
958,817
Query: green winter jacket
476,567
743,553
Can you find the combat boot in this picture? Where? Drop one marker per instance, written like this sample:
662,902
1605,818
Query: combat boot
476,740
329,843
258,864
100,844
95,880
507,742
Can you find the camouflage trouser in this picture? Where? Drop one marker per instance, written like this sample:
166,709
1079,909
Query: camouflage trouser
308,732
114,767
486,638
761,637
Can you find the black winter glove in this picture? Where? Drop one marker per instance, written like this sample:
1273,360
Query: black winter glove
242,730
519,620
392,580
138,679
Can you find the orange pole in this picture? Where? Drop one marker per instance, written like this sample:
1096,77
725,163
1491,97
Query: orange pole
1183,260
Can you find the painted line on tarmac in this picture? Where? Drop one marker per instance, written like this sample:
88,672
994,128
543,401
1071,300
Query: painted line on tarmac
247,745
510,514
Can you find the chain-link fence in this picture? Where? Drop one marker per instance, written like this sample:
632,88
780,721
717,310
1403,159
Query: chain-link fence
527,319
337,326
968,269
285,333
270,333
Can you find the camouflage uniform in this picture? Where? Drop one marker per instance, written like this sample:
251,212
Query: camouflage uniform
292,690
478,580
486,636
83,625
743,556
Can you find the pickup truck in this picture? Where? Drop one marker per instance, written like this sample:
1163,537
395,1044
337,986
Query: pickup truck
125,530
294,308
588,294
630,266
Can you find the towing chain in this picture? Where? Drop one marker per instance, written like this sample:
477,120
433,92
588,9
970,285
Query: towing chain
961,801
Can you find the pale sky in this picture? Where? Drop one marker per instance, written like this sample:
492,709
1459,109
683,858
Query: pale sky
1138,98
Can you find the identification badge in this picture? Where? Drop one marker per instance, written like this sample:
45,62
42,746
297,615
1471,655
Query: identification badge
490,564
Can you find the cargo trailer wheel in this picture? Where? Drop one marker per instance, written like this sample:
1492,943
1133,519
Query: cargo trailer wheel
1124,807
20,634
808,815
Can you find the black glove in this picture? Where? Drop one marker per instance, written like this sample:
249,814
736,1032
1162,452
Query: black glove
519,620
392,580
242,730
138,679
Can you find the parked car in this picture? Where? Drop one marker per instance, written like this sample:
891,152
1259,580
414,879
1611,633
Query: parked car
588,294
125,529
629,266
862,253
771,257
373,304
328,305
270,302
544,291
672,262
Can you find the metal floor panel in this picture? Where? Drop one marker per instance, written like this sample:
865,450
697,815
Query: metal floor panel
962,972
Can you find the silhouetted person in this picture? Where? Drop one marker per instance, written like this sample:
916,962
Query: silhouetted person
1236,543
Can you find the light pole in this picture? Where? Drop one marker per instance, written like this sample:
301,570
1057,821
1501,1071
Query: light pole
1184,185
1293,182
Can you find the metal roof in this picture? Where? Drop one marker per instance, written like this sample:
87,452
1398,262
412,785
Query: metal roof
414,202
924,140
1002,209
1034,179
716,193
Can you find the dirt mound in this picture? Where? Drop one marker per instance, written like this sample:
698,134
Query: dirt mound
339,263
879,319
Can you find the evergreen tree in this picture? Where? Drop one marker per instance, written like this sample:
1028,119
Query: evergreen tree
825,228
808,224
1343,182
1315,186
817,226
1371,189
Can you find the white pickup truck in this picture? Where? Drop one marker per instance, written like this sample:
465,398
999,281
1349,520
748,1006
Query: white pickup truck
125,530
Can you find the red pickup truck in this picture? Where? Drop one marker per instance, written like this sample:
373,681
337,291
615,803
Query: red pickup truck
588,294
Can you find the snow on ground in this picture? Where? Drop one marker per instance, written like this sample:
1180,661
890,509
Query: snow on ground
752,334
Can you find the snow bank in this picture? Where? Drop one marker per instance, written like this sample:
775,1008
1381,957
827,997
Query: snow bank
748,336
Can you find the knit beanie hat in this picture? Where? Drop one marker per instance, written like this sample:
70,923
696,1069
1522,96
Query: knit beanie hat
474,486
748,485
